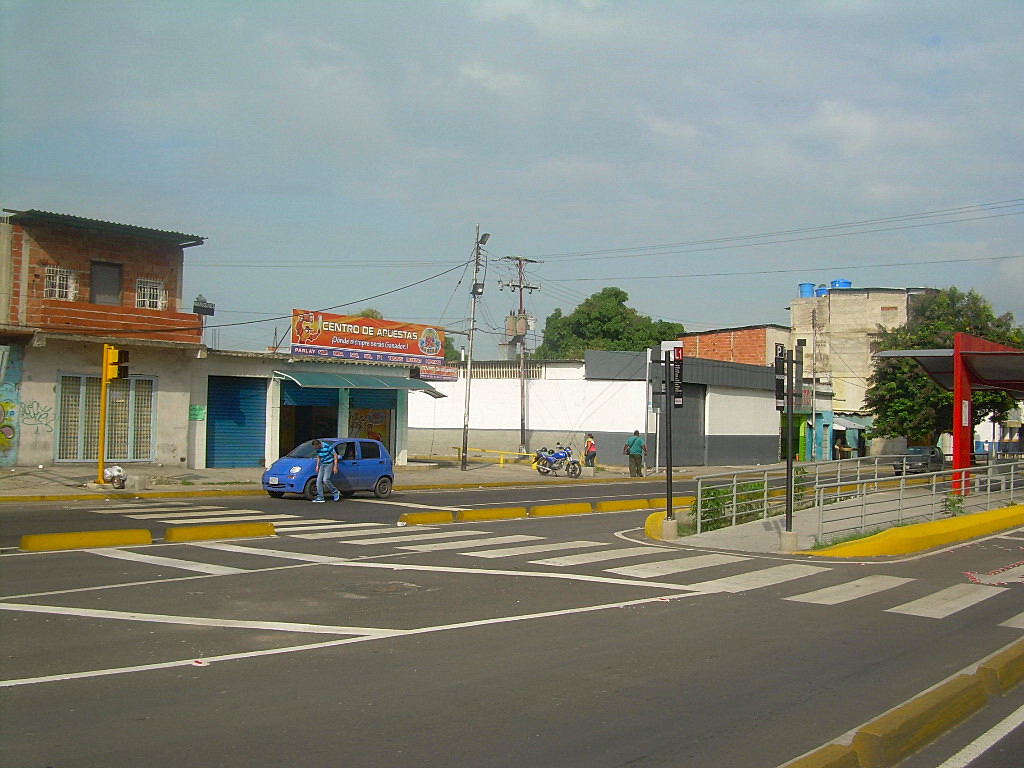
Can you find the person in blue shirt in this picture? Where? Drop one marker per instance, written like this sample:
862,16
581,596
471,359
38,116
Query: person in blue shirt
326,465
635,448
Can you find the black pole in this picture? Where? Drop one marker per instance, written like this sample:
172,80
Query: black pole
667,406
789,440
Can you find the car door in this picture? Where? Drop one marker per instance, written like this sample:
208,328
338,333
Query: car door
347,477
372,463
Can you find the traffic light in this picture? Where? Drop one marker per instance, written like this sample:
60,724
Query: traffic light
115,363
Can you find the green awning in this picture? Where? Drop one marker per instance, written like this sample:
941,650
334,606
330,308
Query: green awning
355,381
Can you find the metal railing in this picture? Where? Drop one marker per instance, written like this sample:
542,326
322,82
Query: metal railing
846,509
729,498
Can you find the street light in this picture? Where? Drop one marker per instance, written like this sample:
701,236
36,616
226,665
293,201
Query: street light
475,291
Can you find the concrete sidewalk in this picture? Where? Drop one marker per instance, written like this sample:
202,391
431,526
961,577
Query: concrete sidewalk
77,481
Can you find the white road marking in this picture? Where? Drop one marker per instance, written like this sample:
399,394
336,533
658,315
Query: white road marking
841,593
418,536
188,515
170,562
151,508
411,505
1017,622
199,621
463,544
756,579
533,549
377,530
1013,573
676,565
335,643
597,557
986,741
948,601
324,524
232,519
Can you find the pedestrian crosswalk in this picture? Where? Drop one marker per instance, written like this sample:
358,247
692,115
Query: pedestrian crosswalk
696,571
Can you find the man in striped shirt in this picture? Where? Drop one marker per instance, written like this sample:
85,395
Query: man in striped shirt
326,465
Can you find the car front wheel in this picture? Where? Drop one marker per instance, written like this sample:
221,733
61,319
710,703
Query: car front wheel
383,488
309,490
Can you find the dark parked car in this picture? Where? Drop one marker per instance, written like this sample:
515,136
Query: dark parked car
919,458
363,465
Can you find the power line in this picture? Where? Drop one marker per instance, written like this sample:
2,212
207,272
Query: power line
781,270
997,205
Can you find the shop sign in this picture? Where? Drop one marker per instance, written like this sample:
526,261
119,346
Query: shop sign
344,337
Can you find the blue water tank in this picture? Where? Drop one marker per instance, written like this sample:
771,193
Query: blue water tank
820,291
841,284
806,290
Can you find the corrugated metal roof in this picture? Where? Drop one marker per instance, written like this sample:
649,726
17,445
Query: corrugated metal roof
31,216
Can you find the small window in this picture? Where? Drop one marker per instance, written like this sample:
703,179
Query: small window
106,283
150,294
347,451
61,283
370,450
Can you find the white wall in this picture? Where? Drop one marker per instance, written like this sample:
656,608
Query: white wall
740,412
565,404
45,365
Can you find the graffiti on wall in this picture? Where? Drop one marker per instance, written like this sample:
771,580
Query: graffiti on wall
35,414
8,426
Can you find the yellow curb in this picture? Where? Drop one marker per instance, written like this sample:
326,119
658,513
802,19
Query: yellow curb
225,531
1004,670
621,505
125,537
896,734
653,525
572,508
915,538
679,503
425,518
831,756
494,513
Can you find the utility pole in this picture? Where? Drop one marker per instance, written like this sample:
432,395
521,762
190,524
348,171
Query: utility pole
521,323
476,291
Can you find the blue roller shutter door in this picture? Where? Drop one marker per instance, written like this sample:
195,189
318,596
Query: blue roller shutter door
236,421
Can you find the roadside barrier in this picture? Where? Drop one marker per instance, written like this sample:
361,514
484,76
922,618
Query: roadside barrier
225,531
891,737
45,542
494,513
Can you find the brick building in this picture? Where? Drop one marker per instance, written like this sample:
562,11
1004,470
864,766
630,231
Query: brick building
69,285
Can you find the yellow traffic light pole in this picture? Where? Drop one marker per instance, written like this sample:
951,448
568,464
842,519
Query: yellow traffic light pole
108,372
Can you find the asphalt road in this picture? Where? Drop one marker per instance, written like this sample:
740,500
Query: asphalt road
360,646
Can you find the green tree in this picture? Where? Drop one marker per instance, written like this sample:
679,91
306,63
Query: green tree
904,400
370,312
602,321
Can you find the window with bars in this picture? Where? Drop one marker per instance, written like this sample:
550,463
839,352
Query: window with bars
130,416
61,283
150,294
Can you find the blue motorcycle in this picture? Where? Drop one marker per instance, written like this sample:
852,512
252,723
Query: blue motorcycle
550,462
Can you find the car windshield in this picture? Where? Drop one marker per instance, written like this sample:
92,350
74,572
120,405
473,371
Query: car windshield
918,450
302,451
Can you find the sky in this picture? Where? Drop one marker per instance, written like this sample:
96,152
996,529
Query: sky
704,157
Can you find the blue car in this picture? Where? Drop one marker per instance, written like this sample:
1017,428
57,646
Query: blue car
363,465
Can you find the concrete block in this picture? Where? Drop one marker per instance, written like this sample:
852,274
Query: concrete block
1004,671
886,741
571,508
45,542
426,518
494,513
138,482
225,531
